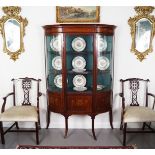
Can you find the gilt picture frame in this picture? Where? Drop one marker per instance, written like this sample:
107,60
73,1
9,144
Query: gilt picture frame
77,14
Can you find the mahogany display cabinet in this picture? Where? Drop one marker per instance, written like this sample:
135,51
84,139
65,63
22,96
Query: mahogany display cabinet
79,70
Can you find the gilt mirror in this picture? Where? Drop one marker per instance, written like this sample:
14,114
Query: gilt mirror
142,31
12,28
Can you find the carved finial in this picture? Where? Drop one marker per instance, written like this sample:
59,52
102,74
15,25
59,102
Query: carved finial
12,10
144,9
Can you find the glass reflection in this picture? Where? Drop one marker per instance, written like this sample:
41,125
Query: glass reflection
143,34
12,35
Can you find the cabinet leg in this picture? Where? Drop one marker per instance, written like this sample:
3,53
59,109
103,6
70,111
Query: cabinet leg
66,126
48,118
111,118
93,131
2,133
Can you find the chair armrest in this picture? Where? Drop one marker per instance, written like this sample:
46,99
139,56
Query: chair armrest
150,94
4,102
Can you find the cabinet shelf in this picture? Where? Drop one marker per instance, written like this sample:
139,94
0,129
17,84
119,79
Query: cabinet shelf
71,90
54,52
79,53
85,72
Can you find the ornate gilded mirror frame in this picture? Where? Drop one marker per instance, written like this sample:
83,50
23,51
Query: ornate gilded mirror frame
142,25
12,28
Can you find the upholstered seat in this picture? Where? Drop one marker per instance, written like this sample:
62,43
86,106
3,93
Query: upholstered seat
139,114
20,113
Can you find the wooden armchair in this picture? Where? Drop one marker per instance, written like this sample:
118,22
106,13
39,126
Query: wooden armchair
23,111
133,111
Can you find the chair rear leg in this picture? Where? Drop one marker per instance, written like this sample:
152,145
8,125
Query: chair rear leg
143,127
2,133
17,125
37,135
124,134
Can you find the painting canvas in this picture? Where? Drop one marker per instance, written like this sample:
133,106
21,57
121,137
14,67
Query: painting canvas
70,14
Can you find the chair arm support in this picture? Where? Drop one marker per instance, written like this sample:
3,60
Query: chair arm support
40,94
4,103
123,100
150,94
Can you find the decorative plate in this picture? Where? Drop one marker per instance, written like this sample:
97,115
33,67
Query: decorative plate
78,44
102,44
55,44
58,81
80,88
103,63
79,81
57,63
78,62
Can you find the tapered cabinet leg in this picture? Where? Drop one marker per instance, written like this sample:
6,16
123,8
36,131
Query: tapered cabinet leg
2,133
66,126
48,118
111,118
37,133
93,131
124,134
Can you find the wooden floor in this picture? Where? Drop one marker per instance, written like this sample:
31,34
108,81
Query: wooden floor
79,137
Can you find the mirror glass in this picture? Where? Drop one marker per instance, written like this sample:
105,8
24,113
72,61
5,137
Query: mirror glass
12,35
143,34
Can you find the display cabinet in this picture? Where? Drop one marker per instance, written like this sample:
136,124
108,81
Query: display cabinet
79,70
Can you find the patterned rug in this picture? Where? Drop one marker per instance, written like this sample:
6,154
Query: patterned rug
73,147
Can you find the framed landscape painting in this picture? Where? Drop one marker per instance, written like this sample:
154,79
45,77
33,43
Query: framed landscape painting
76,14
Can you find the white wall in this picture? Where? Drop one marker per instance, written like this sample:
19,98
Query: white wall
31,62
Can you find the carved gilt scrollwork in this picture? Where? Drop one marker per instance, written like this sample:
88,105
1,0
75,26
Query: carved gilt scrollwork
142,31
12,28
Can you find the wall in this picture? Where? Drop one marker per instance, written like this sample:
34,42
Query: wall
31,62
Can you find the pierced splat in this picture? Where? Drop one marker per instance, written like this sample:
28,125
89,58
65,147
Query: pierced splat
134,86
26,85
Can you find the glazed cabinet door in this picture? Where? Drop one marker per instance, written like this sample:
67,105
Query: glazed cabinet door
103,72
54,44
79,72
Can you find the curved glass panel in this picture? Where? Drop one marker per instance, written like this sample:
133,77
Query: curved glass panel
104,56
54,48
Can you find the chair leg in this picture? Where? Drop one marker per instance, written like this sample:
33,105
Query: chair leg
48,118
121,126
124,134
17,125
143,127
2,133
37,135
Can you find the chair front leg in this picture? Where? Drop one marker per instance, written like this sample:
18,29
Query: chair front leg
124,134
2,133
37,131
